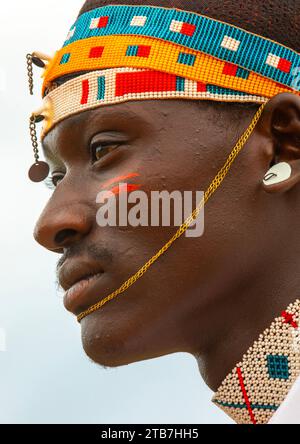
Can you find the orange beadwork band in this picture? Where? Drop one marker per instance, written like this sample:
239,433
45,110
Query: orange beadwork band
145,52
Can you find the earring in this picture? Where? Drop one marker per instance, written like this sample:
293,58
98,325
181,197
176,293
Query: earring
39,170
278,173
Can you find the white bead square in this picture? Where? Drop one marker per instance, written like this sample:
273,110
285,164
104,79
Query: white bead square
190,86
94,23
71,33
273,60
230,43
139,20
176,26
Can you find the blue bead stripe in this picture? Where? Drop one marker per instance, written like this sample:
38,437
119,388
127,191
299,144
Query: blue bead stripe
251,54
101,88
243,73
214,89
65,58
132,50
186,59
180,83
244,406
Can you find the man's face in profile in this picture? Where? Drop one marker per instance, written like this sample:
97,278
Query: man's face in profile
161,145
210,295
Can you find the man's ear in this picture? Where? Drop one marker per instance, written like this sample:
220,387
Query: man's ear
282,124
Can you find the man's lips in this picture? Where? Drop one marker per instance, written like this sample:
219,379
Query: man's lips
76,299
76,277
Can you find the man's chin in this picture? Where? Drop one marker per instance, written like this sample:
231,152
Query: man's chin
125,332
110,343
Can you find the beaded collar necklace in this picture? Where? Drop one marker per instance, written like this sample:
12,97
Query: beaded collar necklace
258,385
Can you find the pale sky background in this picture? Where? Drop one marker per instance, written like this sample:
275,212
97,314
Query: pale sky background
45,375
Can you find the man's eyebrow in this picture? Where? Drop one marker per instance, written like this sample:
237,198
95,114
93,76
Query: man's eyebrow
52,155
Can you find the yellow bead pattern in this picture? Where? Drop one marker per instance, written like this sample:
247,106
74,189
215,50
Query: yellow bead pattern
163,56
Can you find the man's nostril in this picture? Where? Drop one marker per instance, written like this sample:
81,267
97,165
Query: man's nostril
64,236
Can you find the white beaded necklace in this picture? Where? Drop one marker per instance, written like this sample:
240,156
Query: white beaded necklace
258,385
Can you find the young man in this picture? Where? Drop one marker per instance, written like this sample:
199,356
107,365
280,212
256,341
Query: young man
211,296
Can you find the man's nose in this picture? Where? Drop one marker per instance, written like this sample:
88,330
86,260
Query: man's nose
60,226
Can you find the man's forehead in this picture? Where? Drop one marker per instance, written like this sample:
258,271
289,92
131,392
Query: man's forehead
54,138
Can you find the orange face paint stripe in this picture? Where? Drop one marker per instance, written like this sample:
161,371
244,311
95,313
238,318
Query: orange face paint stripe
117,190
125,188
119,179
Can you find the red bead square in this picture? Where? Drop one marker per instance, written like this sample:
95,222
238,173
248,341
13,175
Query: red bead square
188,29
201,87
285,65
96,52
230,69
85,92
143,51
103,21
145,81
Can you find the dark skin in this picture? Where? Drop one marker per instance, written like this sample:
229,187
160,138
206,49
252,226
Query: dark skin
209,296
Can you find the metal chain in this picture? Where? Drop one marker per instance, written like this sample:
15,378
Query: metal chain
30,72
33,136
211,189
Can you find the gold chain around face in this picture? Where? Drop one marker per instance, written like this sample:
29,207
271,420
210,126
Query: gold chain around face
211,189
30,72
33,136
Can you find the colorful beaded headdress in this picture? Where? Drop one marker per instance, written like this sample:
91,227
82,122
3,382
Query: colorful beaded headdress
117,53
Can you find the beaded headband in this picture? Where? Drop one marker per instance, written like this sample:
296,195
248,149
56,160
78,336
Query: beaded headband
118,53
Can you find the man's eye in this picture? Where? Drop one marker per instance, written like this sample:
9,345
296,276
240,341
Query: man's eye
101,149
53,181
